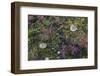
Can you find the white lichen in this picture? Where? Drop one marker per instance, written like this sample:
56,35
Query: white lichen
73,28
58,52
42,45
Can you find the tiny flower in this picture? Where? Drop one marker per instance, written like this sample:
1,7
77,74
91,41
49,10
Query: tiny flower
52,48
73,28
58,52
46,58
42,45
